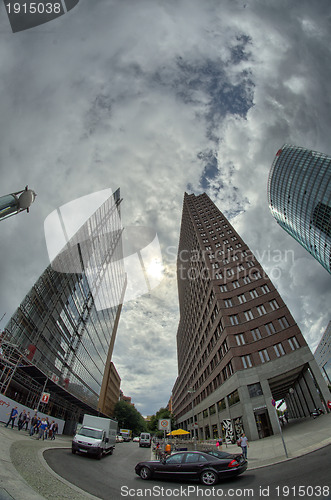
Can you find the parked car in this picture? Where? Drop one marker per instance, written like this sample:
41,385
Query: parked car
136,439
207,466
119,439
145,439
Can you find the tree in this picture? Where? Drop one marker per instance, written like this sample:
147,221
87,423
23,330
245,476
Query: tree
129,418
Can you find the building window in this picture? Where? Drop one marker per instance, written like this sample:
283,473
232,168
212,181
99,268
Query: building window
242,298
230,272
294,344
240,267
261,310
264,356
283,323
248,315
246,280
233,398
256,334
212,410
228,303
223,288
205,413
270,328
218,276
240,339
253,293
250,263
235,284
215,265
234,319
257,275
265,289
255,390
279,350
246,361
221,405
274,305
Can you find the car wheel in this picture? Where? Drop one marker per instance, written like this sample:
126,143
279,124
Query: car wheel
99,455
208,477
145,473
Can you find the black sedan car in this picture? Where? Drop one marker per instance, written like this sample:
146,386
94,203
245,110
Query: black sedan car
207,466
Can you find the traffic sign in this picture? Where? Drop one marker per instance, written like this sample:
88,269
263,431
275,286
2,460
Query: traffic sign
165,424
45,397
273,402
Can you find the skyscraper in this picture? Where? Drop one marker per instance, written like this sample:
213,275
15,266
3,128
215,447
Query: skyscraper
66,325
299,193
238,345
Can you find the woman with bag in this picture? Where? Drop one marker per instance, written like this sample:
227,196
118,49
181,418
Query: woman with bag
219,443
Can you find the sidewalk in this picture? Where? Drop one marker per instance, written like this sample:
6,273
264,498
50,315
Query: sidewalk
25,475
301,436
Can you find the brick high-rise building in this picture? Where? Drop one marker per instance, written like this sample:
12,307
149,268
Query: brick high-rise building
238,346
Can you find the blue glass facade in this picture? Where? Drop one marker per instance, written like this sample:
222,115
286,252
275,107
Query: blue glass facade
299,195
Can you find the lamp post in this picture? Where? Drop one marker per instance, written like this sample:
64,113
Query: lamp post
192,391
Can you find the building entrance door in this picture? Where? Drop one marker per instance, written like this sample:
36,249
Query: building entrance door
263,423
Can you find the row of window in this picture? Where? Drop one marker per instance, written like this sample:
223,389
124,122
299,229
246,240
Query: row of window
264,354
261,310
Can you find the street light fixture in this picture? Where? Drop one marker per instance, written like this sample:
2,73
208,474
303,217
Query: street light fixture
192,391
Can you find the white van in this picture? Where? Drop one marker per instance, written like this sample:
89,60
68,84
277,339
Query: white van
145,439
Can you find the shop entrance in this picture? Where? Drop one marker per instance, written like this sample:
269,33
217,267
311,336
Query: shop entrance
263,423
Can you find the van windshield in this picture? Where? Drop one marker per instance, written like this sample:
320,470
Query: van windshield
91,433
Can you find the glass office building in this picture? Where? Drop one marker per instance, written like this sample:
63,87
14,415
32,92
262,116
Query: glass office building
66,325
299,195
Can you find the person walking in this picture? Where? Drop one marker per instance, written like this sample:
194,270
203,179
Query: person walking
13,415
21,420
55,429
34,421
42,428
219,443
243,442
27,421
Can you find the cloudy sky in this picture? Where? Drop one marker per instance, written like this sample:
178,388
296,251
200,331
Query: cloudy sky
158,98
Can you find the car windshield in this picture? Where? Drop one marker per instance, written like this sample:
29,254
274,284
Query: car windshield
91,433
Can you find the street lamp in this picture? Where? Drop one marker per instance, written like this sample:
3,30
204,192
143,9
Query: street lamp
192,391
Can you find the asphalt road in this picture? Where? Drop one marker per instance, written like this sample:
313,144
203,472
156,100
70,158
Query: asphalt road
113,477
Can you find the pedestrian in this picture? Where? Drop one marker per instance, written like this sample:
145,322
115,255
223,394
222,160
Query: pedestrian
42,428
47,428
219,443
55,430
167,449
243,442
21,420
13,415
27,421
34,421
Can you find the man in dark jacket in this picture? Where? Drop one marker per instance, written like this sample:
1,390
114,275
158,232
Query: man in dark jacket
13,415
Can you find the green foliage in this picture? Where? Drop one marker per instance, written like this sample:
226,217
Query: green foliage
129,418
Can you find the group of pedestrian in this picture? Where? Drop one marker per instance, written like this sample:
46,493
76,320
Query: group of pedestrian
38,425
